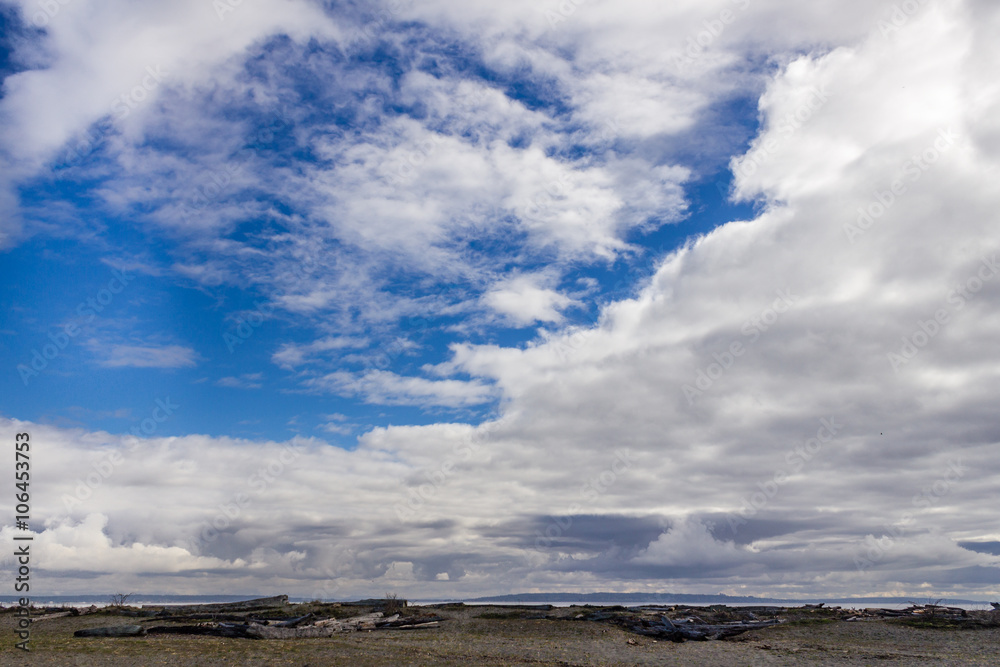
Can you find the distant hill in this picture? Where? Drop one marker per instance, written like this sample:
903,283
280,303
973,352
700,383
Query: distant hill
675,598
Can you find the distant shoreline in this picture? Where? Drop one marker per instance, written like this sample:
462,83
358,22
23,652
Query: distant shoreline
554,599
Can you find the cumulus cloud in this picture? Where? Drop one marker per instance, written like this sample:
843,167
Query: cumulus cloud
525,301
85,547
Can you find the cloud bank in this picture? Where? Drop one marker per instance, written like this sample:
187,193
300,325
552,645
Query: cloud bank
801,403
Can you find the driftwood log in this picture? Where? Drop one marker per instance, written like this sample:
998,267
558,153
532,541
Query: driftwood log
114,631
678,632
224,607
297,628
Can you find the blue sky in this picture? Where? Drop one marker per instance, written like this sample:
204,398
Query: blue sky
483,298
165,335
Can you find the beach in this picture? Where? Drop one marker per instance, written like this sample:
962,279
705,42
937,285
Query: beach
512,635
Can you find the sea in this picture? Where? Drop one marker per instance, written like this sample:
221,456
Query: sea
175,600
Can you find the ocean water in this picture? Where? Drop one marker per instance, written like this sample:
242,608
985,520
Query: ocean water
970,605
134,601
174,600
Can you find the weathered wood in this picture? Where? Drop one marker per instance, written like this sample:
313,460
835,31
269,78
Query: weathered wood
114,631
207,616
211,630
295,628
376,602
411,626
678,632
271,632
242,605
61,614
353,622
292,622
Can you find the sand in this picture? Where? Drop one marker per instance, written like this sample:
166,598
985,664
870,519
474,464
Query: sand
466,638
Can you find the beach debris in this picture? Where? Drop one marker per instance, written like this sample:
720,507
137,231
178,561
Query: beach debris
686,624
303,627
113,631
242,605
376,603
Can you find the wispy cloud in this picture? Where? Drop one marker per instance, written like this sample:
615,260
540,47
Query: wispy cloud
245,381
387,388
291,355
145,356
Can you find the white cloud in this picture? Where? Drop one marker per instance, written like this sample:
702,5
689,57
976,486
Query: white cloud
291,355
387,388
147,356
525,301
100,52
716,376
245,381
86,547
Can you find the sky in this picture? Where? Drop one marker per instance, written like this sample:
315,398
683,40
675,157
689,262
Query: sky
452,299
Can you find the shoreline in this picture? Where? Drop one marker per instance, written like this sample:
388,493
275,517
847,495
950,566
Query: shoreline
507,634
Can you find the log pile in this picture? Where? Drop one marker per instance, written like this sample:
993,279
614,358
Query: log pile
932,615
113,631
267,618
688,623
304,627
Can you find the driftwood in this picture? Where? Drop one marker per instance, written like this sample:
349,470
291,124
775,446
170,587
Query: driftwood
681,629
297,629
243,605
114,631
207,629
376,602
410,626
667,629
365,622
919,611
59,614
207,616
290,623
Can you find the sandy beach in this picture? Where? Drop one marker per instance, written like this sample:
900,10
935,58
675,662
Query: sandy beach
493,635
